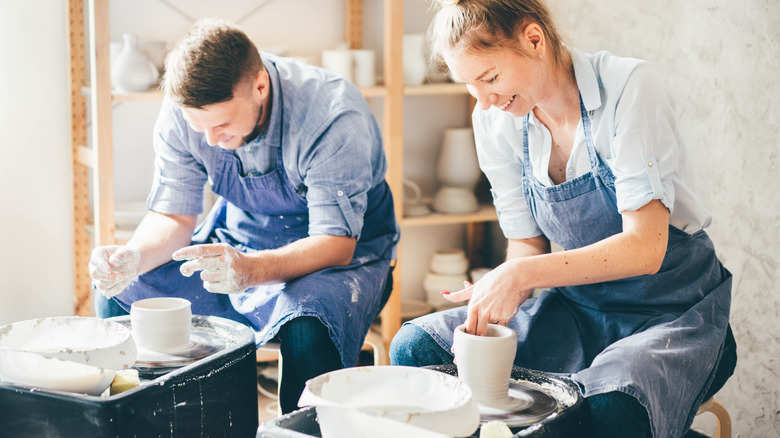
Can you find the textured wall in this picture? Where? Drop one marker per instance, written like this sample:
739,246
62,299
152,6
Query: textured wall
721,60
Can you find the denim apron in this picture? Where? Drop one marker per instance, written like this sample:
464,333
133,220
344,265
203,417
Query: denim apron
655,337
265,212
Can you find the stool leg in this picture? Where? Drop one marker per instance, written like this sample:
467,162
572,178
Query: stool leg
723,419
374,340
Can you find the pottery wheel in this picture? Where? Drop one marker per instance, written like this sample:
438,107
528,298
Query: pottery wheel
151,364
536,407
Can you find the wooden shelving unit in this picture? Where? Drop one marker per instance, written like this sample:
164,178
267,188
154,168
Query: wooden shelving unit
95,90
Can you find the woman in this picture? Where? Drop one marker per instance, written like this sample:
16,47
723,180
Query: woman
583,150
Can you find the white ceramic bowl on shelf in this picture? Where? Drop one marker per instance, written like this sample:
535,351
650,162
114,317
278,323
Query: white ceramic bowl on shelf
434,284
449,261
455,200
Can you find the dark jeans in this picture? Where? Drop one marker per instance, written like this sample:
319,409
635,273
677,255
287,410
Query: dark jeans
613,414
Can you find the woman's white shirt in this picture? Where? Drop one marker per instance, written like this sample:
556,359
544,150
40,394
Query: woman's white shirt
634,129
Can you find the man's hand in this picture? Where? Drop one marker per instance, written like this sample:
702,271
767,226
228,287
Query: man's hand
113,267
223,268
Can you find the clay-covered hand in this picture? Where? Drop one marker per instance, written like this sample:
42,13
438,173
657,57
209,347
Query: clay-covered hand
494,299
113,267
223,268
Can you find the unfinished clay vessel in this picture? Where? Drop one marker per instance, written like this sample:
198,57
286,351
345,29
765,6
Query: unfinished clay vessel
485,365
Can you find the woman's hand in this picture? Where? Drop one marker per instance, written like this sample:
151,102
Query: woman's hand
495,298
223,268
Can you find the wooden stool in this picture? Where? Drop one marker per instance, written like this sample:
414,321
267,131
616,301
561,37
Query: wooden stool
271,352
723,420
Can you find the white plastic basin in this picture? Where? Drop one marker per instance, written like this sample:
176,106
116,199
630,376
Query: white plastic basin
91,341
384,400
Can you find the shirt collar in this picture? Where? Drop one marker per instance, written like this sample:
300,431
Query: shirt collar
587,82
272,134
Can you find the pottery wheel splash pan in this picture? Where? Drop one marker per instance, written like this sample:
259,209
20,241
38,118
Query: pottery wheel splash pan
537,406
215,396
203,342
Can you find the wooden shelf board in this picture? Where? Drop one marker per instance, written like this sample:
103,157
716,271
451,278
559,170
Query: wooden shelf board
486,213
436,89
378,91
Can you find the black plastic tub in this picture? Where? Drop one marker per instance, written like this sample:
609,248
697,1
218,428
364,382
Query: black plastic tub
567,422
212,397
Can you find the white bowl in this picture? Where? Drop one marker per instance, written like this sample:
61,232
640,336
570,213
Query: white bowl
455,200
449,261
38,371
435,283
346,400
91,341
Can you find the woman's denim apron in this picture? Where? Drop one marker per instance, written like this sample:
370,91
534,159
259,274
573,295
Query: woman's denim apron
655,337
264,212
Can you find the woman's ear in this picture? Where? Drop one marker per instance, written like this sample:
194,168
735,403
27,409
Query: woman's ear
532,37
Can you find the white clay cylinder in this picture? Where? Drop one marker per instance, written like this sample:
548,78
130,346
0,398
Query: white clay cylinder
162,324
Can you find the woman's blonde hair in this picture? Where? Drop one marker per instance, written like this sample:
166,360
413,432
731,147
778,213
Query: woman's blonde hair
489,24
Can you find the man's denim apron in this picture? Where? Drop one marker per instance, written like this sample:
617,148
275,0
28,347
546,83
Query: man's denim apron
655,337
264,212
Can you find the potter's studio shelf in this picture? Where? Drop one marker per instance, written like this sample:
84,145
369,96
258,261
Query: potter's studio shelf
435,89
486,213
93,163
378,91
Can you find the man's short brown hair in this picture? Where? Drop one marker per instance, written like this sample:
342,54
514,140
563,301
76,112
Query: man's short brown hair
209,62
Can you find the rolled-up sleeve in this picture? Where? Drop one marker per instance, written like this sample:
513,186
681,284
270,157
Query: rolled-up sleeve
503,167
646,148
337,171
179,177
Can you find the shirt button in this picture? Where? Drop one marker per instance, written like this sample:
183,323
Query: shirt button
649,164
571,170
281,217
340,193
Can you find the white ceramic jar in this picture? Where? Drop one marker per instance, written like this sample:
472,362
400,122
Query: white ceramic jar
449,261
415,67
132,71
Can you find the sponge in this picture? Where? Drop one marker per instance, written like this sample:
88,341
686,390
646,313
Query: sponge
124,380
495,429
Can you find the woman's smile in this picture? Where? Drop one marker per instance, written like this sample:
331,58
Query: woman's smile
505,105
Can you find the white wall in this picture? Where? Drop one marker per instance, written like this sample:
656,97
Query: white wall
720,59
36,261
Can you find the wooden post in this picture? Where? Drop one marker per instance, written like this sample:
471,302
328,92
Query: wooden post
394,145
78,122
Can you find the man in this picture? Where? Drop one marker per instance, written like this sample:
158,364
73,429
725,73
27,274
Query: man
299,244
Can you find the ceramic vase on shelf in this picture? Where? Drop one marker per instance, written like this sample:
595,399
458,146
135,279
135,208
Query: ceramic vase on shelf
458,173
132,71
414,65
